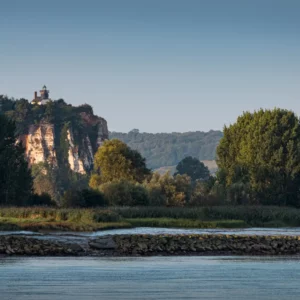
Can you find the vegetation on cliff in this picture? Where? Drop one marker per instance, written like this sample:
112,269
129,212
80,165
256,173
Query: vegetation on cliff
75,132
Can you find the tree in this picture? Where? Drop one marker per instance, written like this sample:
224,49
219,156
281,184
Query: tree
45,180
83,198
15,176
168,190
262,151
125,193
114,160
194,168
44,199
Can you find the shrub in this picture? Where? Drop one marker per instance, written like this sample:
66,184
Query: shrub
92,198
125,193
43,199
156,197
72,198
83,198
168,190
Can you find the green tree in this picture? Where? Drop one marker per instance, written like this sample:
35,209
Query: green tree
125,193
192,167
262,151
114,160
44,180
168,190
15,176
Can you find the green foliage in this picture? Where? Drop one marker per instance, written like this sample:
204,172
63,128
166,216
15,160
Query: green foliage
92,198
43,199
79,120
83,198
124,193
116,161
262,151
208,193
15,177
45,180
72,198
167,149
168,190
193,168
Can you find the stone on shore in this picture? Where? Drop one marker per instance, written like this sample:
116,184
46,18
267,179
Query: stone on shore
103,243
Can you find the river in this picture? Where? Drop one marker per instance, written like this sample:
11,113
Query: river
242,278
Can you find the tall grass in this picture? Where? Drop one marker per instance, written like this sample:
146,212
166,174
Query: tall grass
185,223
160,212
256,215
252,215
54,214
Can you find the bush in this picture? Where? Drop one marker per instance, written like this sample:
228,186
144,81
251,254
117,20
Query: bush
92,198
125,193
239,193
72,198
156,197
83,198
168,190
43,199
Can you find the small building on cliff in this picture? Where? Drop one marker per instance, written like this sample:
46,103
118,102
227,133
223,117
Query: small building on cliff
43,98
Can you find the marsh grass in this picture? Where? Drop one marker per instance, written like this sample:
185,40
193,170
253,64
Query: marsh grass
13,224
46,218
57,214
185,223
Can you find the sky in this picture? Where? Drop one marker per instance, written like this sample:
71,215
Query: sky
154,65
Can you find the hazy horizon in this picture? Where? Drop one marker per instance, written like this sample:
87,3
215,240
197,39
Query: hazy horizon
159,66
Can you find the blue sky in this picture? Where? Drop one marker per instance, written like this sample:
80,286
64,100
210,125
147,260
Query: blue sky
155,65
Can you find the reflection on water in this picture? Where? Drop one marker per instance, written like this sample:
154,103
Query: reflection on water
150,278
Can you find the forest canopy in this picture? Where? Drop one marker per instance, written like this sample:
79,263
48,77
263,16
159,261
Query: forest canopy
168,149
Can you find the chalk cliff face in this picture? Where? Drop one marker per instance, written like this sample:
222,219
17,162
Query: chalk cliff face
39,144
43,143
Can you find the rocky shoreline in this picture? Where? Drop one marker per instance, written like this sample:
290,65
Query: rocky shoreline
150,245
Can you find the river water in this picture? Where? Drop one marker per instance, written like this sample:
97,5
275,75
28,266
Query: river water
291,231
241,278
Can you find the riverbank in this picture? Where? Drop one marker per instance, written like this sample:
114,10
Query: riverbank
83,220
153,245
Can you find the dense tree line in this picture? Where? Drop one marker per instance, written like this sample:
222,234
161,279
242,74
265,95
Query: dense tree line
168,149
259,158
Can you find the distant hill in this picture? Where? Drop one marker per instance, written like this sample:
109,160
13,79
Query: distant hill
167,149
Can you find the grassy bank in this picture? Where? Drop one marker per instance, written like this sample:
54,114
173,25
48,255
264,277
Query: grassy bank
261,216
185,223
44,218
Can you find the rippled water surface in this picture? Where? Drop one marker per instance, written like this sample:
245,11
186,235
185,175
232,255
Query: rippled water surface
132,278
152,230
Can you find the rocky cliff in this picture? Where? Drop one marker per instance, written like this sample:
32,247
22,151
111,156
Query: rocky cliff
42,143
60,141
